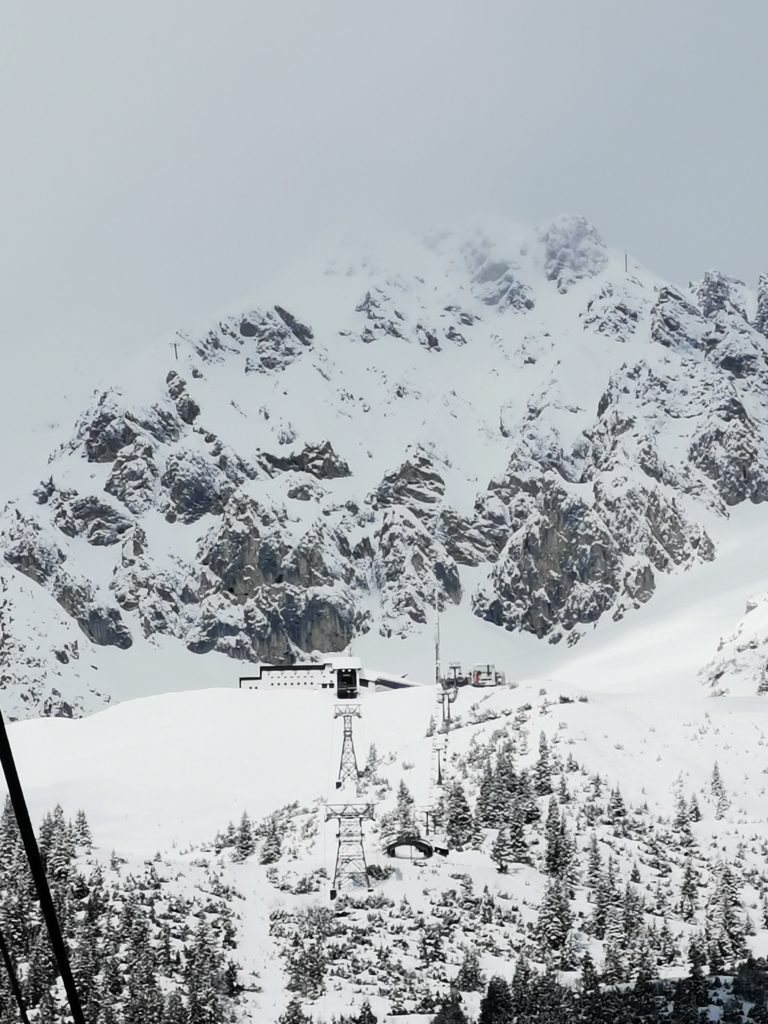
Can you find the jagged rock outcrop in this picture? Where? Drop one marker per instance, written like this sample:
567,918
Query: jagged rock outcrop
573,250
31,550
186,406
730,450
676,323
109,426
615,312
319,460
415,484
274,339
91,518
195,486
740,666
413,571
761,316
717,292
134,477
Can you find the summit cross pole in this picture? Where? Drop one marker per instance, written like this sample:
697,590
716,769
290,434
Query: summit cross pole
47,908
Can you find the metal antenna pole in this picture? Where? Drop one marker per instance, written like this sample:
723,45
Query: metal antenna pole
15,987
16,794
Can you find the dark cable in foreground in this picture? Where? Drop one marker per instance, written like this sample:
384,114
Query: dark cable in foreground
38,874
15,987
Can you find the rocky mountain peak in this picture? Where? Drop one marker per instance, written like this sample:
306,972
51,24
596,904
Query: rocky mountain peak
436,426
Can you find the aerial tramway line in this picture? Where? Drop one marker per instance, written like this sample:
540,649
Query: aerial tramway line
47,908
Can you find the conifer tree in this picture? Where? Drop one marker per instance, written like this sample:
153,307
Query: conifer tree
518,848
555,918
616,810
614,960
542,771
589,983
81,831
594,864
682,823
366,1015
694,812
488,805
688,891
294,1014
245,844
501,851
451,1011
271,848
718,793
525,800
458,818
521,989
496,1006
406,822
470,977
174,1011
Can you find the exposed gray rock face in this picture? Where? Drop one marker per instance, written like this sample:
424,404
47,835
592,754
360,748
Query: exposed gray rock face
28,549
186,407
134,477
33,678
381,317
736,348
740,666
415,484
718,293
33,552
676,323
761,316
573,250
412,569
319,460
109,427
614,313
246,549
569,559
101,624
195,486
275,339
89,517
731,451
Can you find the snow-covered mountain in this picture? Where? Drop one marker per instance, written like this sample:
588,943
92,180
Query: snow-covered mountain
564,455
503,421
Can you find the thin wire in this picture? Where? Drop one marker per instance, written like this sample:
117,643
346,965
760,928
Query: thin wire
15,987
38,873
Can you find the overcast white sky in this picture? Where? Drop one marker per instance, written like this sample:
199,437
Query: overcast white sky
159,157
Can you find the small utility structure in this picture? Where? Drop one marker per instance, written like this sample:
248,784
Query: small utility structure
409,846
344,678
479,675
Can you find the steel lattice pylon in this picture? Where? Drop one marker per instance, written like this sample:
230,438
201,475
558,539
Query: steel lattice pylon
348,770
351,868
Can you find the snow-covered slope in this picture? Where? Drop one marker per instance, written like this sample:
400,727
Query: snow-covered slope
166,773
500,422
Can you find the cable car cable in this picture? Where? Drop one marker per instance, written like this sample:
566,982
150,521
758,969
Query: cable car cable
47,908
15,986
